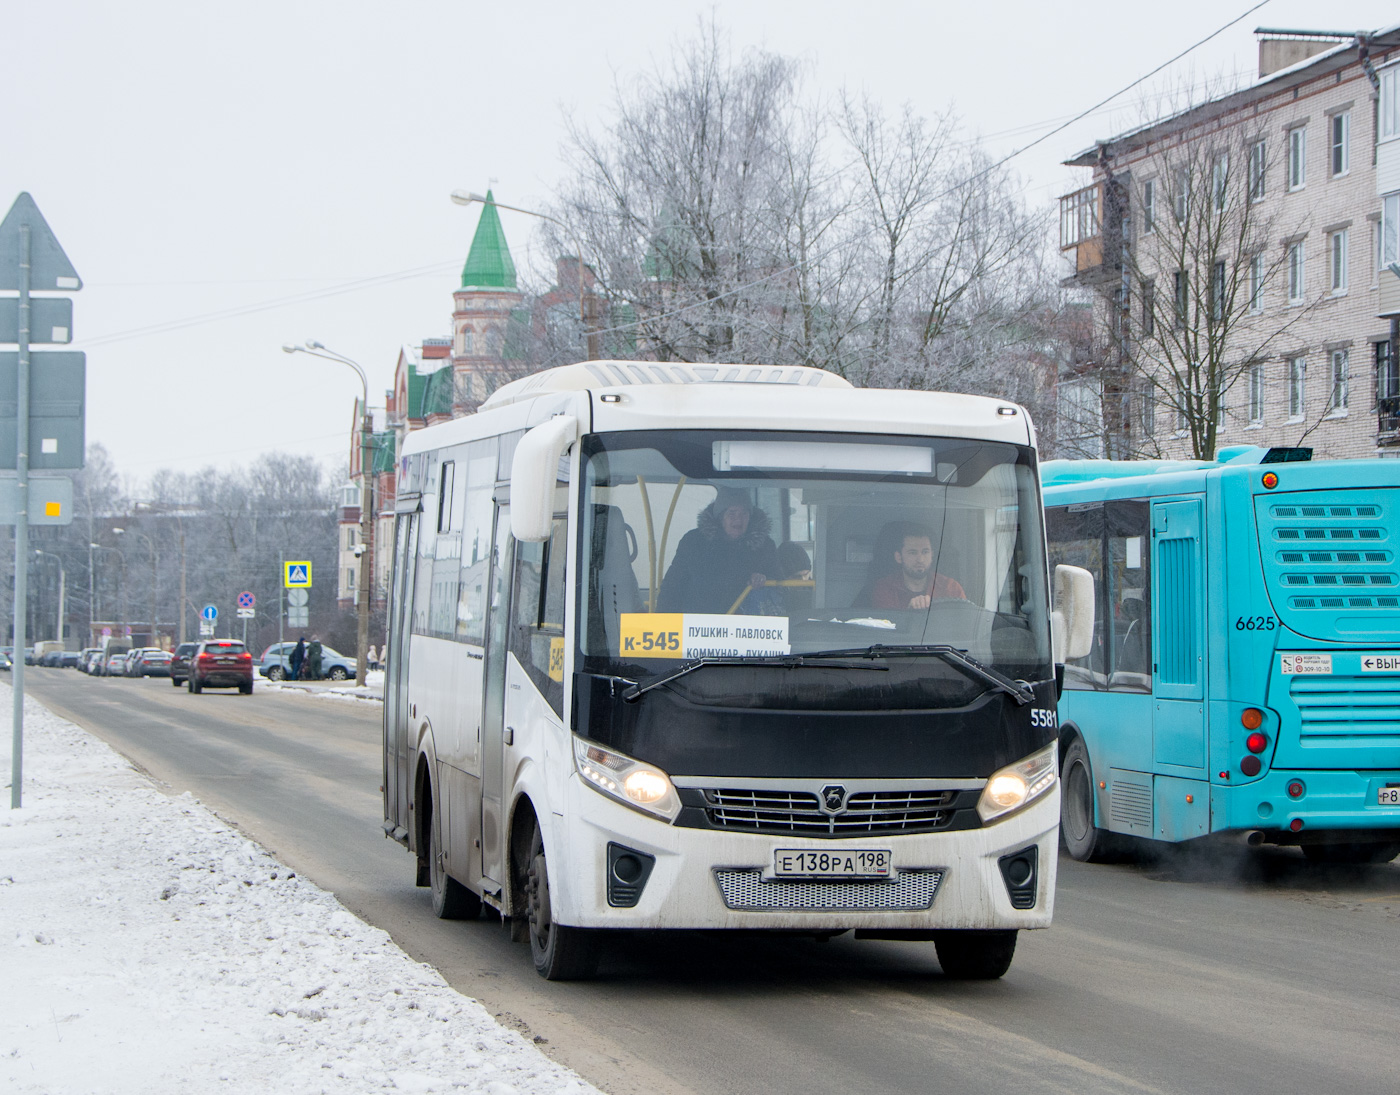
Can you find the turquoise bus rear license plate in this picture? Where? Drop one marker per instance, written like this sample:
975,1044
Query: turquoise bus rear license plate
846,863
1388,796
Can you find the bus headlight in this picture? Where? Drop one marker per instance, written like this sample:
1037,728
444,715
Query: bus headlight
618,776
1017,784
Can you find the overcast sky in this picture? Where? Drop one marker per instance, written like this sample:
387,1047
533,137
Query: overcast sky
199,158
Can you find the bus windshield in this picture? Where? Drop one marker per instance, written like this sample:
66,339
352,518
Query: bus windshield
735,544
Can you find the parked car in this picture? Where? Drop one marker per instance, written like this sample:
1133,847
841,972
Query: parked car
133,659
276,663
85,658
5,662
180,663
153,663
53,659
69,659
221,663
116,665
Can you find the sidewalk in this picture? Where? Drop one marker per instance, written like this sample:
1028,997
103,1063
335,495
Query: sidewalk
149,948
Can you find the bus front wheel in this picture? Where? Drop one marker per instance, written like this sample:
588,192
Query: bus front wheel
561,953
1083,839
1351,853
975,955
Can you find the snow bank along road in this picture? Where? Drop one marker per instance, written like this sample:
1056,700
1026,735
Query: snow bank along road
151,948
1236,972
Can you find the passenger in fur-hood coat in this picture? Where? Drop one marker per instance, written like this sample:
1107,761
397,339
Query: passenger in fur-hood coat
729,548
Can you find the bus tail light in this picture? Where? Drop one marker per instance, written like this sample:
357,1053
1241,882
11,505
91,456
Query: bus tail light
641,786
1251,765
1017,784
1296,789
1251,718
1256,742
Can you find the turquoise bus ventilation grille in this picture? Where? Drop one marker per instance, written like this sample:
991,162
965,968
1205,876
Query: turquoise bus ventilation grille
1179,660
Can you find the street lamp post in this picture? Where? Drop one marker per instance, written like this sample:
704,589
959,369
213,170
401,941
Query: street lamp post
62,582
467,197
317,349
150,544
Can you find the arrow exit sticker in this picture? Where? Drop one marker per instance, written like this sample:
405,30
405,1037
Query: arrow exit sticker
1380,663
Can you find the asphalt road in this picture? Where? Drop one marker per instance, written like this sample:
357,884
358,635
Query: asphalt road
1192,971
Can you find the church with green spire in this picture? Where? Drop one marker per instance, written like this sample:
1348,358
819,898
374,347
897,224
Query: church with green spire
485,307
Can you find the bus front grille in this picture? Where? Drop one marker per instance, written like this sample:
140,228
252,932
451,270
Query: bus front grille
798,813
748,890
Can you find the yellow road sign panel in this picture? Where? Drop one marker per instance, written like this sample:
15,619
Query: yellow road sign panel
297,574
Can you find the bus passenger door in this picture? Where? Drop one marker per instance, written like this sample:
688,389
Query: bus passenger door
1178,641
493,834
398,767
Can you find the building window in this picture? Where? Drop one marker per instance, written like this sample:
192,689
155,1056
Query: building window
1149,306
1339,127
1297,158
1256,395
1258,170
1390,104
349,580
1339,261
1220,182
1181,290
1390,229
1147,405
1297,374
1149,207
1341,379
350,538
1181,200
1217,291
1296,269
1256,284
1387,373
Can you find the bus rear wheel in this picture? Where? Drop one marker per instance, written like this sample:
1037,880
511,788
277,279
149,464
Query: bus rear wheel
975,955
451,900
1351,853
561,953
1083,839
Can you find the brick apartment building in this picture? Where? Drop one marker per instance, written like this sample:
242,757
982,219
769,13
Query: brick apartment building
1308,156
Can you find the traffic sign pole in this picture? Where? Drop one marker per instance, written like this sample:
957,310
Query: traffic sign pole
21,524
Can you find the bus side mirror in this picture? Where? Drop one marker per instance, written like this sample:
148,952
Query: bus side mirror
533,474
1072,618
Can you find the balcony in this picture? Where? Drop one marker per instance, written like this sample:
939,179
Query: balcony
1091,225
1388,420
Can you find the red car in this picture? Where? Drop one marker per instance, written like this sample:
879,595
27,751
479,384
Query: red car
221,663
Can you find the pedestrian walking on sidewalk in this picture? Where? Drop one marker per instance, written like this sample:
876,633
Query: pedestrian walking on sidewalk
294,662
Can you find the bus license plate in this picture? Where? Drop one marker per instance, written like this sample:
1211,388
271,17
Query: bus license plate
847,863
1388,796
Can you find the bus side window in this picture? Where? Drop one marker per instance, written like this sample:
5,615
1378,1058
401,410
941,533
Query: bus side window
478,511
1129,593
1075,536
537,625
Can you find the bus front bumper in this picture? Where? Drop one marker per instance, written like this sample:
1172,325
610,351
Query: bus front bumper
711,879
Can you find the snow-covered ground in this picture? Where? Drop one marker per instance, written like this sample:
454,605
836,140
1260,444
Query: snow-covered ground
146,947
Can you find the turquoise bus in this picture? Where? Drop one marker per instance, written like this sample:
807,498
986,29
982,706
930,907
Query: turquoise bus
1245,669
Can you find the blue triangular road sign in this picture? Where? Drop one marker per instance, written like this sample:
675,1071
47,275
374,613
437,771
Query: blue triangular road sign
49,268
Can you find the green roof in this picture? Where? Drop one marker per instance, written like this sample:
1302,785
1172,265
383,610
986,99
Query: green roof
437,392
489,265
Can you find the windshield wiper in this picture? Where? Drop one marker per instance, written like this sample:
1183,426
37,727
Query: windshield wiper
826,659
1019,691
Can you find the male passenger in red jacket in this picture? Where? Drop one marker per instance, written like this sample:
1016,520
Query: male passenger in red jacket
915,584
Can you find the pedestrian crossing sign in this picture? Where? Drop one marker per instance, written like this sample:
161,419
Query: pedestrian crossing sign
297,575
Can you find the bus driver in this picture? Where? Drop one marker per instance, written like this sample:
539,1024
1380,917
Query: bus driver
915,584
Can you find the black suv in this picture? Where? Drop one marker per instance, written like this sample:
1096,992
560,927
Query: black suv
180,663
221,663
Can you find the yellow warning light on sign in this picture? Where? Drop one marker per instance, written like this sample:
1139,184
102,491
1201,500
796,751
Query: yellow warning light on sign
53,509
